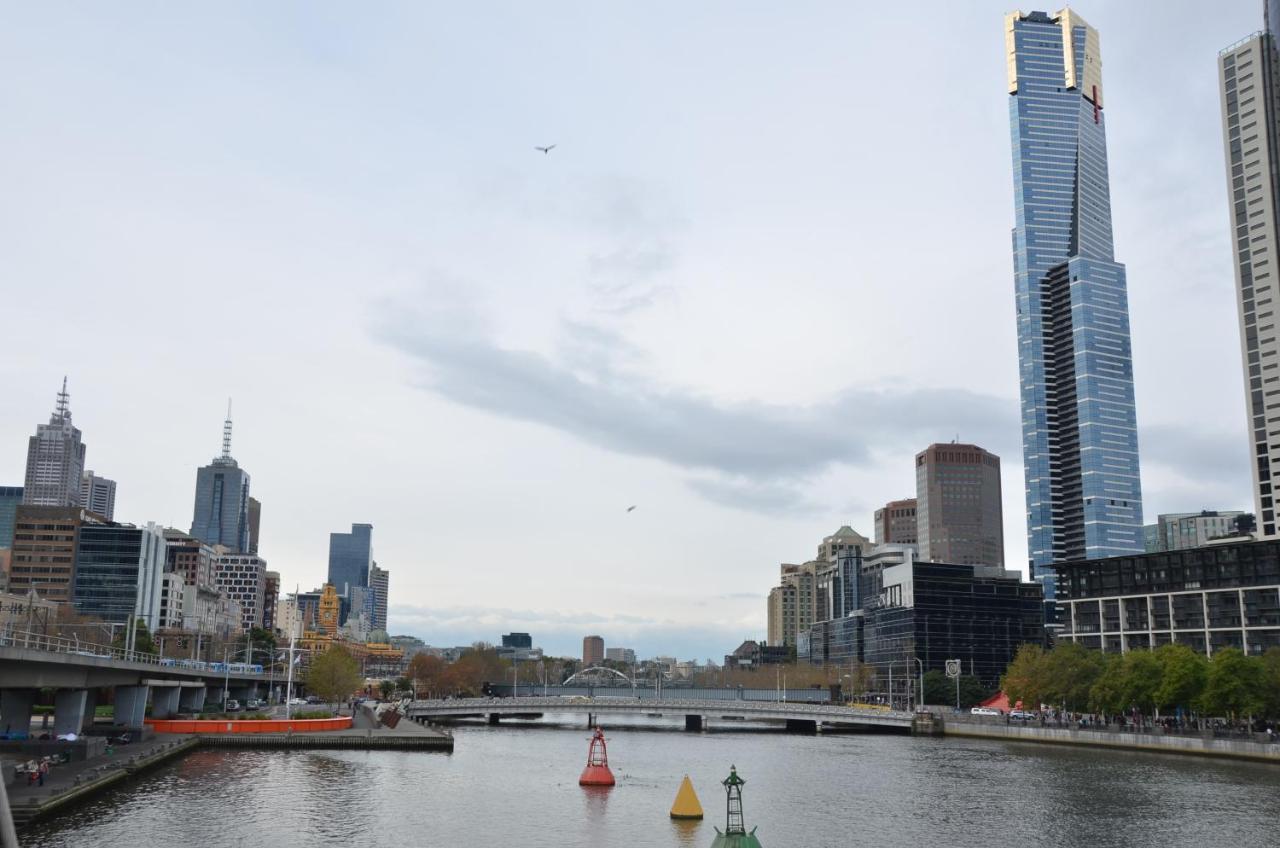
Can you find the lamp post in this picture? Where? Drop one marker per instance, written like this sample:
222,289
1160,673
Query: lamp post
288,693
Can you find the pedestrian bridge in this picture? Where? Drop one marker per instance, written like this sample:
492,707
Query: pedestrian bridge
697,713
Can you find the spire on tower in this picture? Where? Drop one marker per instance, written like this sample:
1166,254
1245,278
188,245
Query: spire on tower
64,405
226,433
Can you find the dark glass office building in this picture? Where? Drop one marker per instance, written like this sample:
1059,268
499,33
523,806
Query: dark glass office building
938,611
1218,596
350,558
118,572
10,500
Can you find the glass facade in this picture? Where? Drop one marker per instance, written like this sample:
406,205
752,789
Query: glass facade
939,611
10,500
350,558
221,514
1079,427
1222,595
119,572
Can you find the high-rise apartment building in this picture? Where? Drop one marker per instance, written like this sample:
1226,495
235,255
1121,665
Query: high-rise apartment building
241,577
10,500
959,518
119,572
379,587
43,556
896,523
592,651
98,495
1177,531
1249,76
781,626
55,459
221,514
846,538
622,655
350,558
1079,425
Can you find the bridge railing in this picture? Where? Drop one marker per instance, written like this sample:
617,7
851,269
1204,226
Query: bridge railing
62,645
627,704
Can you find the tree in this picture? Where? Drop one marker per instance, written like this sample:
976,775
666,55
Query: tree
1027,678
1234,685
1271,682
1071,670
940,689
264,639
333,675
1107,694
1141,674
1182,676
142,641
427,673
387,688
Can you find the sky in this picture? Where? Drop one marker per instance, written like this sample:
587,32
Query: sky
767,262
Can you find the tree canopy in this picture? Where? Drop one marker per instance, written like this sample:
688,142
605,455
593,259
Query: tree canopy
333,675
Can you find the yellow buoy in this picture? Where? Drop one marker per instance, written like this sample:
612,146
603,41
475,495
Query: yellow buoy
686,805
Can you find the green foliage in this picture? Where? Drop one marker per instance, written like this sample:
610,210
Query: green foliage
1070,671
334,675
1107,694
387,688
264,644
940,689
1183,677
1141,675
142,641
1027,678
1234,685
312,714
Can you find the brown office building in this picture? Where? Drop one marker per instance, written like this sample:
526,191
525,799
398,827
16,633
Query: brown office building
896,523
592,651
958,512
44,550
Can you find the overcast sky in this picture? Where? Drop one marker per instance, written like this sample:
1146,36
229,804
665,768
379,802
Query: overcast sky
767,262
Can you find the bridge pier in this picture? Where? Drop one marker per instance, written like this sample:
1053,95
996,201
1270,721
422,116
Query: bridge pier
68,711
15,709
591,720
191,698
131,706
494,719
693,722
90,708
164,700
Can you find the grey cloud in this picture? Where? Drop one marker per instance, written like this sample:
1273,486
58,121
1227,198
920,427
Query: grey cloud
1214,466
756,496
767,445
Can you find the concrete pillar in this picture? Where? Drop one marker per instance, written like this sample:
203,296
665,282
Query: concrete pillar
131,706
15,710
493,718
68,711
192,698
90,706
693,722
164,701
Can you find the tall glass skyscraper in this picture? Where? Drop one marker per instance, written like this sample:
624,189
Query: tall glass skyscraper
351,558
1249,75
1079,427
221,514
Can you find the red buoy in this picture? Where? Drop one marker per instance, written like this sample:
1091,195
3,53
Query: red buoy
597,771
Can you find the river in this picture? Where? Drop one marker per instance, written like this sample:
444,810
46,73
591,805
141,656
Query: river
518,786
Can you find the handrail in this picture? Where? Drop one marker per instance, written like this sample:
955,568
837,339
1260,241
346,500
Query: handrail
617,704
1233,45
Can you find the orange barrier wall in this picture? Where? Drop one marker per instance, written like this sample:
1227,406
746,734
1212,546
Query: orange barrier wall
272,725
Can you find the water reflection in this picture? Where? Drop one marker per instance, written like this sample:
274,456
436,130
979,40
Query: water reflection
519,786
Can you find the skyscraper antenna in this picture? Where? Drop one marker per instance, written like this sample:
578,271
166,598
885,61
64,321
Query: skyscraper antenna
226,433
64,406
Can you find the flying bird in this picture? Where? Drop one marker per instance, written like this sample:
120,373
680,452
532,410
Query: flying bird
545,150
630,508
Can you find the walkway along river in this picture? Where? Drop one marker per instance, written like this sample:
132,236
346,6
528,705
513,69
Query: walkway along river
509,785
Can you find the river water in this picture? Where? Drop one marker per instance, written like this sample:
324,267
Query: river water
514,785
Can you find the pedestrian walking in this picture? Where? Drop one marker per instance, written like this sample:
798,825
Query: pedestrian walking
43,770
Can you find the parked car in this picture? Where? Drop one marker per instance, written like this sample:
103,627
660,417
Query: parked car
297,702
313,699
233,706
254,704
1021,715
984,711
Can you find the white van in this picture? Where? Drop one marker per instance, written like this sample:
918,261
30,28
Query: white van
984,711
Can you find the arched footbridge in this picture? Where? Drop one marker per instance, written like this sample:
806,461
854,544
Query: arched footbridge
697,713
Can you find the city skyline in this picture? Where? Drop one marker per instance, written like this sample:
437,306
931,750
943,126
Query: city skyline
635,297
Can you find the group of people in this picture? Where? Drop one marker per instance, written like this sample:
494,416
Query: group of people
37,769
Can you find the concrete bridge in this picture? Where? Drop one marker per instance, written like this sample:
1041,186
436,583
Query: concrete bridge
32,661
697,713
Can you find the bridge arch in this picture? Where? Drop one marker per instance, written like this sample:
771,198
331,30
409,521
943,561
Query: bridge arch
595,673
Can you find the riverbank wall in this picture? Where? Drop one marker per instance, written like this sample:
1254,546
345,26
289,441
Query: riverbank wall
1201,746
